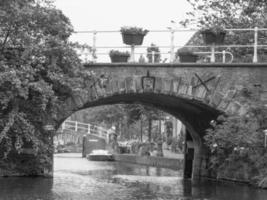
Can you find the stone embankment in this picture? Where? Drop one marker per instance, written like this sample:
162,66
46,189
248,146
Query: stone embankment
151,161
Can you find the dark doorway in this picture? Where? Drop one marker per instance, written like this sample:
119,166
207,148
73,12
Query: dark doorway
188,155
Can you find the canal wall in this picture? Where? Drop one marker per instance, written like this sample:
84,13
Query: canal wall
171,163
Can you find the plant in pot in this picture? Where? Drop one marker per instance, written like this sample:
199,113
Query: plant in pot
153,54
186,55
118,56
133,35
213,35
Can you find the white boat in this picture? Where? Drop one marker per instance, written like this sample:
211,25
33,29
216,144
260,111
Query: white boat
100,155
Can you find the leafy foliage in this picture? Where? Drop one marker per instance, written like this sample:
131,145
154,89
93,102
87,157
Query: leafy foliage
118,53
243,14
133,30
38,69
237,141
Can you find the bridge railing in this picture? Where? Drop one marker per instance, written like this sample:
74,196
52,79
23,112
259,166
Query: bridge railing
85,128
226,54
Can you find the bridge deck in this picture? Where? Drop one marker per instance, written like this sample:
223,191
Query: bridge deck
174,65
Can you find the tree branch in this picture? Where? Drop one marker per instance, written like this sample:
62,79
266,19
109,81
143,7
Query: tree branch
9,124
5,40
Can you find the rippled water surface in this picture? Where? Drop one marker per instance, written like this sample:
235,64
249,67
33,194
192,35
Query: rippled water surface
78,178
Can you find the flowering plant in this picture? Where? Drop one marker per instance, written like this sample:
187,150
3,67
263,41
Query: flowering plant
133,30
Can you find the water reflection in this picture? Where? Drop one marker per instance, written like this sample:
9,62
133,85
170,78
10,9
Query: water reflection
20,188
77,178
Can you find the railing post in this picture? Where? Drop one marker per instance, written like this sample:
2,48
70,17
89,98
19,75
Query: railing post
84,146
94,46
223,54
212,57
172,56
255,56
153,56
76,126
132,59
63,125
88,130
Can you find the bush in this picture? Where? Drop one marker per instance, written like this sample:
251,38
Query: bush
236,141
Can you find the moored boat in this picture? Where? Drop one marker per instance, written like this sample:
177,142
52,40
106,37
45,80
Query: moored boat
100,155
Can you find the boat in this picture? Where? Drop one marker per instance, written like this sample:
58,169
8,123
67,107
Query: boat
100,155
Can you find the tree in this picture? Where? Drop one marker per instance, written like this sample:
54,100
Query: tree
148,114
237,144
38,69
243,14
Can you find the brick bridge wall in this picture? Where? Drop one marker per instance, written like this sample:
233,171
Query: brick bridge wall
221,88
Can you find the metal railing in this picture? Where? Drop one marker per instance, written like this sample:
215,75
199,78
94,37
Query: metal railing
172,47
85,128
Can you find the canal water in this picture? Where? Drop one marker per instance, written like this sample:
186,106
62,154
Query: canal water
78,178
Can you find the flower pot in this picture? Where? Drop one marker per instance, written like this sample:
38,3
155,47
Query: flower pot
210,37
132,39
119,58
220,37
188,58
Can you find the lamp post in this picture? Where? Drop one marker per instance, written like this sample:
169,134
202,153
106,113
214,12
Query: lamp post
132,58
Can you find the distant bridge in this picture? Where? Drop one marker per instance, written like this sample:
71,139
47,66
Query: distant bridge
84,128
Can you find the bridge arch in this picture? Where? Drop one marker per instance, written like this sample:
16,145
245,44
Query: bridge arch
194,114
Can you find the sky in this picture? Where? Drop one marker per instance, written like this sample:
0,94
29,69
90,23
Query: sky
88,15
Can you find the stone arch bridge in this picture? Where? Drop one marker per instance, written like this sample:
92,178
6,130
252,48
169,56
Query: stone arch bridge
194,93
